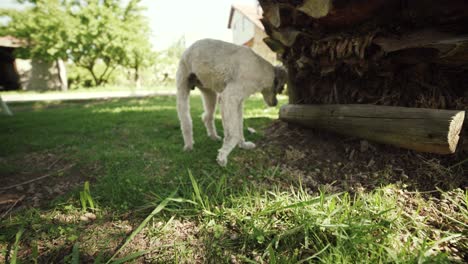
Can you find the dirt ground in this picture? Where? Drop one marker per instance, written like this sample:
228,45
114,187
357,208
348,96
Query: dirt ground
43,177
339,163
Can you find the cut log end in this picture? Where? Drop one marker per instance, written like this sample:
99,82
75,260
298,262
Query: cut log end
454,130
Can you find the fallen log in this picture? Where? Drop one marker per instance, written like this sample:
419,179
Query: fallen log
420,129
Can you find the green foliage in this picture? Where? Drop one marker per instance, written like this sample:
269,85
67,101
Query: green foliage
86,199
139,51
46,27
88,32
167,61
16,245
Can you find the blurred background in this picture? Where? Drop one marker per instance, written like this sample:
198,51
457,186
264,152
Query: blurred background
76,45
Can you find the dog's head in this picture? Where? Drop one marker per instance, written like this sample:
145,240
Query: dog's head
269,95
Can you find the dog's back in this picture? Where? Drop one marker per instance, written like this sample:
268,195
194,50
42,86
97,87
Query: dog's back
215,63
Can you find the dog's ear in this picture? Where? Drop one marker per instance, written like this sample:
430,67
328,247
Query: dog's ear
281,76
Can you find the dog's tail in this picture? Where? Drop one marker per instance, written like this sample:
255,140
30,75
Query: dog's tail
183,104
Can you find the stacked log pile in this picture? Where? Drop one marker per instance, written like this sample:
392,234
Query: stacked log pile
410,53
406,53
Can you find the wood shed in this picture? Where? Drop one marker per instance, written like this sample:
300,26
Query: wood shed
28,74
393,71
9,76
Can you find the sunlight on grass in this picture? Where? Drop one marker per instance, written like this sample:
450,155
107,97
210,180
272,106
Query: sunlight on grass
115,110
154,201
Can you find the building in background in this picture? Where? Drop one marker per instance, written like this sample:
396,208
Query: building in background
247,30
9,76
33,74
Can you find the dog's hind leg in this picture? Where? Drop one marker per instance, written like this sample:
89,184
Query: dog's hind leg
183,105
209,104
230,101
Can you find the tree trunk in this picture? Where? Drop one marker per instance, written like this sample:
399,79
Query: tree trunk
101,79
137,78
91,70
62,73
425,130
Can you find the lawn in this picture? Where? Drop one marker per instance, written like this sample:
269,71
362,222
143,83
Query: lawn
118,188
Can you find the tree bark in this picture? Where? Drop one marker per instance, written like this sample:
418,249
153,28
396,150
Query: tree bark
420,129
136,77
90,68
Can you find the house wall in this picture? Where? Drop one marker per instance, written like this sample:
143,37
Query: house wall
261,48
242,28
39,75
245,32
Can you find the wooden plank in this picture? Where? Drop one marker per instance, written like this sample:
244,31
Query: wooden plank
425,130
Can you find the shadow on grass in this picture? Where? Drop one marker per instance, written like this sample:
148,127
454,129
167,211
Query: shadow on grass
131,151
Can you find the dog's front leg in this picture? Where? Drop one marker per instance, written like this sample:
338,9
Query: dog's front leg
242,143
230,102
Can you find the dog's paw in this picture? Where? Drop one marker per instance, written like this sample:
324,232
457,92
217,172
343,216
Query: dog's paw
247,145
222,161
188,147
215,137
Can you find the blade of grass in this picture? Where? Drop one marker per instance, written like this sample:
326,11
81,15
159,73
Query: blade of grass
272,254
458,164
83,201
76,254
88,195
196,189
130,257
16,246
220,185
35,252
158,209
301,204
440,241
315,255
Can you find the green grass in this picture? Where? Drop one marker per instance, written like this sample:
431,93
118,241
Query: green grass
157,203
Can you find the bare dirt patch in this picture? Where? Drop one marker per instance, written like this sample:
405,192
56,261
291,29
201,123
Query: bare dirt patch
180,238
335,163
35,179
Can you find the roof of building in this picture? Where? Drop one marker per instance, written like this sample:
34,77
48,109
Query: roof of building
252,12
10,42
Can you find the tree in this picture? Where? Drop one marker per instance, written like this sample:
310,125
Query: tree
139,51
167,60
89,32
45,27
110,34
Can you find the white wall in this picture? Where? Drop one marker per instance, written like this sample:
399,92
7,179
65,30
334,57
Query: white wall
39,75
242,28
